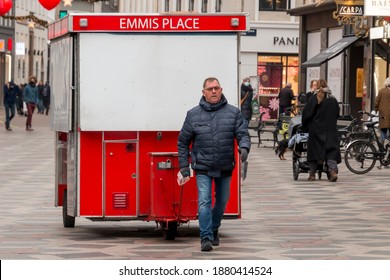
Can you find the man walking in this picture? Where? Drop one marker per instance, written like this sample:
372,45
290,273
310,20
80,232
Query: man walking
30,96
10,91
208,135
286,95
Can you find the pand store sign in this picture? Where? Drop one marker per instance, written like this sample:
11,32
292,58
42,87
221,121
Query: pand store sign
272,40
376,7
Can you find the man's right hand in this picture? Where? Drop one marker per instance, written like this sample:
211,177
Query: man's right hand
185,172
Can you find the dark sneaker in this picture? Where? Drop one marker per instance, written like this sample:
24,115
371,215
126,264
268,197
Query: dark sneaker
215,241
205,245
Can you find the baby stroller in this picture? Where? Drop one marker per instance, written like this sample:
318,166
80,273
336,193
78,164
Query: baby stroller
298,145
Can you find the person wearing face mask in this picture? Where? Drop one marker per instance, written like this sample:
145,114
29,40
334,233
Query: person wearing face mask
30,96
246,99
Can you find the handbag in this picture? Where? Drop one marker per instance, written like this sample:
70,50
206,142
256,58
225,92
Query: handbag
255,107
24,107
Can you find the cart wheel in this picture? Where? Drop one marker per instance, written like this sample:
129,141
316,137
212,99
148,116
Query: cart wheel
169,233
67,220
295,169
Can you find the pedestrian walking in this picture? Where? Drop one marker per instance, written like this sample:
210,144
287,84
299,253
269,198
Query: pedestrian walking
19,99
246,99
10,92
313,88
30,96
319,118
46,97
285,96
382,104
40,87
208,135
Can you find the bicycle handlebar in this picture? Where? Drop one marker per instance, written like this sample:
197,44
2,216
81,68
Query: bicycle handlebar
367,113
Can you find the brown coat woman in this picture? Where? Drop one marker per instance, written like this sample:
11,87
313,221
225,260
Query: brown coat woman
382,104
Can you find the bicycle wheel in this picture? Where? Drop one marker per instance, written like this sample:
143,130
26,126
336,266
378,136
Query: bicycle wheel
360,157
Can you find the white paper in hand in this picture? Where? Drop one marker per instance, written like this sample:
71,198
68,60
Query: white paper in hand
182,180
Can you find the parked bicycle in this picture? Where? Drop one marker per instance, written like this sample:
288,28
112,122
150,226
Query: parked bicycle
361,155
355,129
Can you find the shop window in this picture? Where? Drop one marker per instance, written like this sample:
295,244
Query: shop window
273,5
273,72
178,5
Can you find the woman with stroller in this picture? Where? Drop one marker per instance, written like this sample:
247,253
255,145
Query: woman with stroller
319,118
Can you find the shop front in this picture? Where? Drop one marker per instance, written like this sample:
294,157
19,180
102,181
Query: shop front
337,48
269,56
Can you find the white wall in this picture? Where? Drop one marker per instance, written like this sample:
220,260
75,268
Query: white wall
335,74
150,81
313,48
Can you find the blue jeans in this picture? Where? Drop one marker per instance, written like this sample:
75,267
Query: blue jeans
210,218
9,114
384,133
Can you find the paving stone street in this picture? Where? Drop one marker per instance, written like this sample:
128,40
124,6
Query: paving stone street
282,219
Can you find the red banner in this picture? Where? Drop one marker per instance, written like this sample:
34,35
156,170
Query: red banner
154,23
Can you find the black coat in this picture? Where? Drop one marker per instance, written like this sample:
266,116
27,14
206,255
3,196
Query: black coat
10,94
246,106
212,130
286,95
320,120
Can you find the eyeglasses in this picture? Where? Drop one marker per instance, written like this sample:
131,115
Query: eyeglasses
213,88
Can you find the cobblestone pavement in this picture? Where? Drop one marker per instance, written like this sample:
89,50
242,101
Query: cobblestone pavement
282,219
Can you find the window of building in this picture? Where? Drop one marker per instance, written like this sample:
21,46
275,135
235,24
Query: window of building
19,69
36,69
273,5
273,72
204,6
24,70
166,6
178,5
191,5
218,4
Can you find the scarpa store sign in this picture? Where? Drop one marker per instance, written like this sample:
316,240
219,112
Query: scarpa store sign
351,12
350,8
347,10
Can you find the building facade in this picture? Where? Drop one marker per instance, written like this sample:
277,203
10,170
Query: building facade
7,29
342,53
31,46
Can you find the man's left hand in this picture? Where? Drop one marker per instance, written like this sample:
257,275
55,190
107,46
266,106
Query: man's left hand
244,154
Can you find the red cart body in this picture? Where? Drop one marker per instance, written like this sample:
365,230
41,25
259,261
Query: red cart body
121,87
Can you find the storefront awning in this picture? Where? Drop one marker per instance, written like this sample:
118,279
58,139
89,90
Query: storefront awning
331,52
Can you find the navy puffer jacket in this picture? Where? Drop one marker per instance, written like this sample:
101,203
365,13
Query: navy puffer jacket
212,129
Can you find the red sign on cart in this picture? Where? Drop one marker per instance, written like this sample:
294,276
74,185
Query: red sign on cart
161,22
